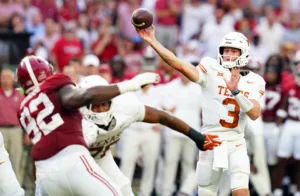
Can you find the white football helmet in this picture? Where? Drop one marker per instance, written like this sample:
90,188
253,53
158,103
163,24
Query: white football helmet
238,41
99,118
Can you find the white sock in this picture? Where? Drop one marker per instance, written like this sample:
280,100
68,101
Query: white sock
286,180
278,192
293,188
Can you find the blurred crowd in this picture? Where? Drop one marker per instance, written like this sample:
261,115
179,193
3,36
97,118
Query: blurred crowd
87,37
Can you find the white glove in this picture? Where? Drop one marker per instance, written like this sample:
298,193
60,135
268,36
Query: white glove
138,82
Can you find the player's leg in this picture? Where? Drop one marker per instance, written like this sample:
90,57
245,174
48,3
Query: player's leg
188,184
271,142
271,139
207,179
224,186
9,185
74,173
150,150
239,168
17,149
171,158
109,166
131,139
284,152
259,178
296,154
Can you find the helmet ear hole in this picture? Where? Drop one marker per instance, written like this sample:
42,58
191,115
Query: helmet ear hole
221,50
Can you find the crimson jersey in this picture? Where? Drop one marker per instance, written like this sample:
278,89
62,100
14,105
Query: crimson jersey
50,126
292,96
292,104
273,99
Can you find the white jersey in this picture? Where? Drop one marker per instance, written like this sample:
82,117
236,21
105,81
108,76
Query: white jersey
221,113
126,110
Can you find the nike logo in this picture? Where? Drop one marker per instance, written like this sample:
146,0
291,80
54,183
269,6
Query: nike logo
238,145
2,162
250,82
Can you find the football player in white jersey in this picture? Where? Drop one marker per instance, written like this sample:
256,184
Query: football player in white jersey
229,96
9,185
106,121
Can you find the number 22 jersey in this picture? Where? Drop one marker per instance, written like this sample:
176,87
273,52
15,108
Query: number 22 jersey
221,113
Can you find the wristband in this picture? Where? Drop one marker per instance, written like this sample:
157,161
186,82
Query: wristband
197,137
243,102
235,92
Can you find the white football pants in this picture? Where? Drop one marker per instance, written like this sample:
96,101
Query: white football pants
147,143
176,149
74,173
109,166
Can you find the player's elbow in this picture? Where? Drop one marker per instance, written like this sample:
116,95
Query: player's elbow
253,116
254,113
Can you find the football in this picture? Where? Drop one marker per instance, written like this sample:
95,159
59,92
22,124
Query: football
142,18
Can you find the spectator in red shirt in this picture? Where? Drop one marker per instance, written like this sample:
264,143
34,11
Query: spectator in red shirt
68,12
118,68
47,8
166,12
67,47
106,45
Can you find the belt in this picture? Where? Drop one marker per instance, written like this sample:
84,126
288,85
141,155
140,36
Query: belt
7,126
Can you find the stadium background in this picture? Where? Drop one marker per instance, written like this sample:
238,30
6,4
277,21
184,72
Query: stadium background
67,32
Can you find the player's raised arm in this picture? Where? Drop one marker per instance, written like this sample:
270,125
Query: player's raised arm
185,68
72,97
251,106
204,142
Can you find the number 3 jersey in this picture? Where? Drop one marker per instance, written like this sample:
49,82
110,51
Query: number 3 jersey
126,109
221,112
50,126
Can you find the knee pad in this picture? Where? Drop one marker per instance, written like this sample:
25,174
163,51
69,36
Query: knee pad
203,191
239,180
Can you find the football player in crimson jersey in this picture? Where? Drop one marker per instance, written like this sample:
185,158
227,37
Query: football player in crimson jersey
50,116
272,112
289,141
229,95
109,119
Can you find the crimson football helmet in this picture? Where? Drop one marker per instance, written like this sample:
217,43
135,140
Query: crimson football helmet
31,71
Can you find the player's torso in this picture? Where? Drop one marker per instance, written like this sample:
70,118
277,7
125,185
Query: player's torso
99,139
49,126
221,112
293,107
273,98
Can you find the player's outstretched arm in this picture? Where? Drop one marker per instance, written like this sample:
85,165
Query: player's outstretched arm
204,142
185,68
72,97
